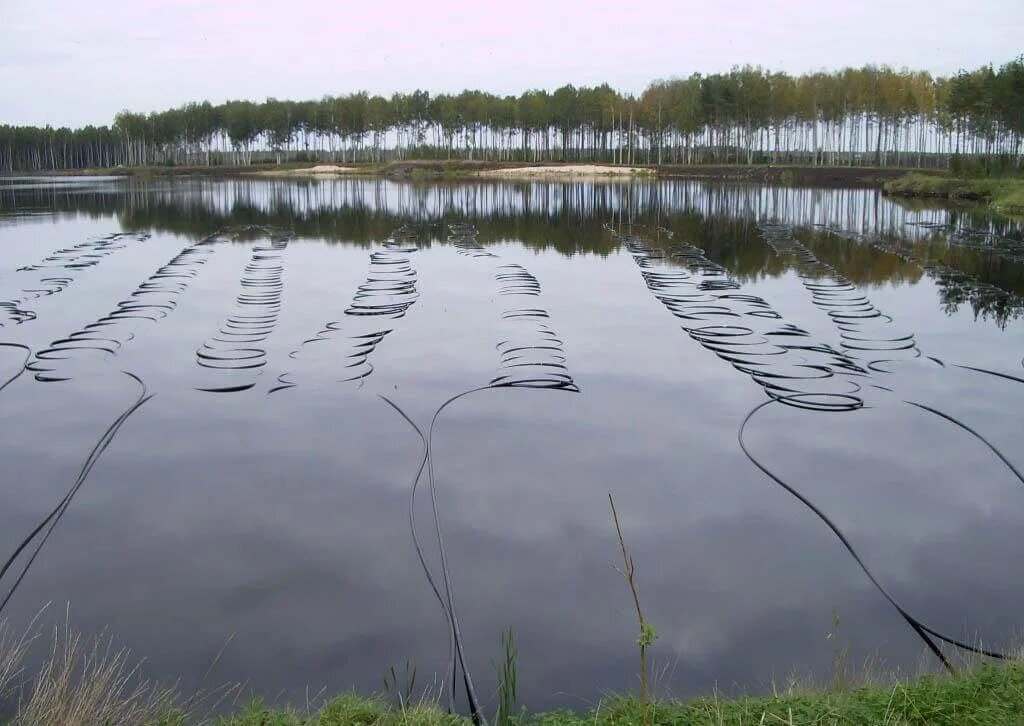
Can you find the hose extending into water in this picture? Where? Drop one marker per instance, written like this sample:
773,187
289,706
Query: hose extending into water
531,357
412,502
923,631
974,433
50,521
453,616
456,651
1007,376
24,363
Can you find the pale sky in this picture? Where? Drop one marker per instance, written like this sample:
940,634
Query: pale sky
72,62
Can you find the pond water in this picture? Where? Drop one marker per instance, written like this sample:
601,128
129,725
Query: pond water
619,337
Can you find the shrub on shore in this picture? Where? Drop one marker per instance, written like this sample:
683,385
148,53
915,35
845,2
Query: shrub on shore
1002,194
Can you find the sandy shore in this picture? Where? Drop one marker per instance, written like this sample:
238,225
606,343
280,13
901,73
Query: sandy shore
320,170
563,171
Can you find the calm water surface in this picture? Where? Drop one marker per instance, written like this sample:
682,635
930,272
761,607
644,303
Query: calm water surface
621,335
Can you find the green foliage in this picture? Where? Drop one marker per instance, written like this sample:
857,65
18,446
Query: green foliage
982,167
508,687
1003,195
256,713
347,710
1010,199
352,709
647,636
992,695
170,717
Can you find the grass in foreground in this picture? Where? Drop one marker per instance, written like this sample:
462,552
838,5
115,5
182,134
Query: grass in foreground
992,695
86,681
1002,194
345,710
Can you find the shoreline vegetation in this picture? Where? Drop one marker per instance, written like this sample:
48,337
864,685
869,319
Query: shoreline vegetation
1001,194
990,695
87,680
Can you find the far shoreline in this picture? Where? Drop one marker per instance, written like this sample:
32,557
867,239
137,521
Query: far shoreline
1004,195
462,170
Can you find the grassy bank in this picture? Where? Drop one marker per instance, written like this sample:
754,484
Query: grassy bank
991,695
83,681
1001,194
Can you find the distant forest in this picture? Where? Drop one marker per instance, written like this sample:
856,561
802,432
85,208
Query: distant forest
870,116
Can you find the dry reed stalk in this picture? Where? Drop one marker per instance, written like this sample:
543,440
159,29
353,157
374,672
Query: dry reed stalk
647,635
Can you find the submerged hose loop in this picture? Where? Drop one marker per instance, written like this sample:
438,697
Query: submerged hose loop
73,259
232,356
376,307
151,301
806,384
863,328
743,329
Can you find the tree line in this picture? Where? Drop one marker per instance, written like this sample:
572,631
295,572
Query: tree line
856,116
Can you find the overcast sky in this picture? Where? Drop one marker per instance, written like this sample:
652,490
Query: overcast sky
69,62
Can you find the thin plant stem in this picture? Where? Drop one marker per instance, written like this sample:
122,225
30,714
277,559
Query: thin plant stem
647,635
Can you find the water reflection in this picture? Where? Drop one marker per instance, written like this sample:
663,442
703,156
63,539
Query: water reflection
972,254
285,518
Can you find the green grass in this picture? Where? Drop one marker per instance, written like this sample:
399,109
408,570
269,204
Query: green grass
1003,194
345,710
86,681
1011,200
992,695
